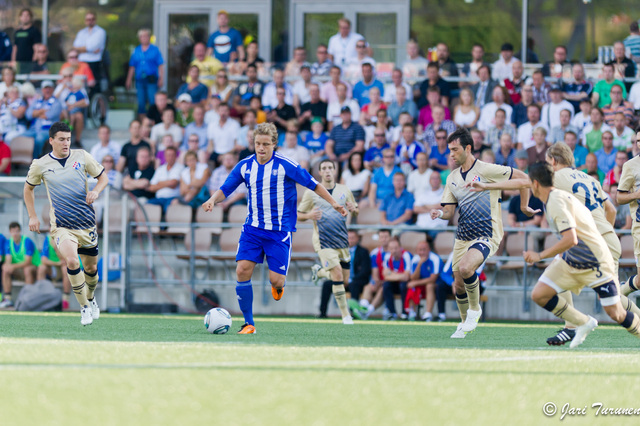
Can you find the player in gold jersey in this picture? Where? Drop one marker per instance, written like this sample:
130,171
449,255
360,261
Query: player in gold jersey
73,222
480,225
330,238
629,193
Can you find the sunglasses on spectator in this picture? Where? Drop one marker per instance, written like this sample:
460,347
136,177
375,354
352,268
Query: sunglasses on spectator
379,135
360,46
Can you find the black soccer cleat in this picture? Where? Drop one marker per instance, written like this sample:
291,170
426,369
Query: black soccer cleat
564,336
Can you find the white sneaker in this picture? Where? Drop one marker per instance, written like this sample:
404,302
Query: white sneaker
85,315
314,273
95,309
459,334
427,316
370,309
583,331
347,320
471,322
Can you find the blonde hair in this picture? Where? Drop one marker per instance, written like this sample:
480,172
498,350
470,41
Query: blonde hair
266,129
561,154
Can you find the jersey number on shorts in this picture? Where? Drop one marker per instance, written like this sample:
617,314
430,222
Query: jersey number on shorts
589,202
92,235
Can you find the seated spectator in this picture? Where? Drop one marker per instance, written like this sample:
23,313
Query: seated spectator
618,105
193,144
591,168
428,199
345,139
5,159
439,123
12,114
359,277
415,65
194,88
623,66
502,68
551,110
483,90
466,113
368,113
322,65
140,174
601,96
296,152
193,179
559,67
488,156
252,59
222,88
51,258
106,145
161,103
499,128
115,177
371,297
582,119
579,151
196,127
448,67
634,95
256,106
426,112
506,154
42,113
439,152
301,88
223,134
445,174
408,148
396,272
471,69
391,89
592,133
316,140
145,128
519,114
8,80
418,180
577,90
397,207
329,90
522,160
313,107
382,123
478,143
249,122
219,175
382,180
294,66
613,176
488,112
208,65
211,110
607,154
184,112
622,135
623,213
334,109
166,127
402,104
538,152
246,90
362,87
167,142
525,131
540,88
514,85
433,80
281,113
129,151
250,148
40,63
425,267
356,177
373,156
20,257
517,219
353,69
557,132
75,105
166,180
270,99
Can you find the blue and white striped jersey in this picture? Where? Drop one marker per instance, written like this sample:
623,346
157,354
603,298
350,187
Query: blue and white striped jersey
271,191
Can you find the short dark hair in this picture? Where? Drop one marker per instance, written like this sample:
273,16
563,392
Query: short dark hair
387,230
58,126
541,172
252,66
433,64
463,136
326,160
14,225
633,27
350,166
171,148
485,67
536,106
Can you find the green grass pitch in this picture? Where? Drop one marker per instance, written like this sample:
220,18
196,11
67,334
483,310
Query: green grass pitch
167,370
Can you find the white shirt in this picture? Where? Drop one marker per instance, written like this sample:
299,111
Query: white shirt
622,142
162,174
185,174
525,133
634,95
224,138
426,198
390,92
419,182
3,88
343,49
488,115
113,149
270,98
502,70
298,153
580,121
302,91
356,182
91,39
333,111
158,132
211,116
550,114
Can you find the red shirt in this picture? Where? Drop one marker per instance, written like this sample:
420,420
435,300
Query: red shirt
5,152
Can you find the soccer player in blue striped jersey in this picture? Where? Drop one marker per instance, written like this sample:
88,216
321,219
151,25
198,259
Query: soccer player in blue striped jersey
73,221
271,214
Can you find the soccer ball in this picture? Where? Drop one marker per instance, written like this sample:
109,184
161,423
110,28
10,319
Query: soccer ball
217,321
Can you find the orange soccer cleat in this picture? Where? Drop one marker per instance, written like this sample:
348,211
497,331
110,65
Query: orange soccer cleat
277,293
247,329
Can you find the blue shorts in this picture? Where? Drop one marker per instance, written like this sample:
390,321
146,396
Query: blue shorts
255,243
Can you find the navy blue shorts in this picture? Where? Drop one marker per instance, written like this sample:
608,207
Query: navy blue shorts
255,243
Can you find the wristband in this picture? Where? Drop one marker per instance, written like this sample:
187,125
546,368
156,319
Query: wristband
440,213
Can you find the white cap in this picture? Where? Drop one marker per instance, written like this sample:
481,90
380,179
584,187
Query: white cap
185,97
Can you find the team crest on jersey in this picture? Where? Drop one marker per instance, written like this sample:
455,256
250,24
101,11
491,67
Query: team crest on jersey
475,179
275,172
76,165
